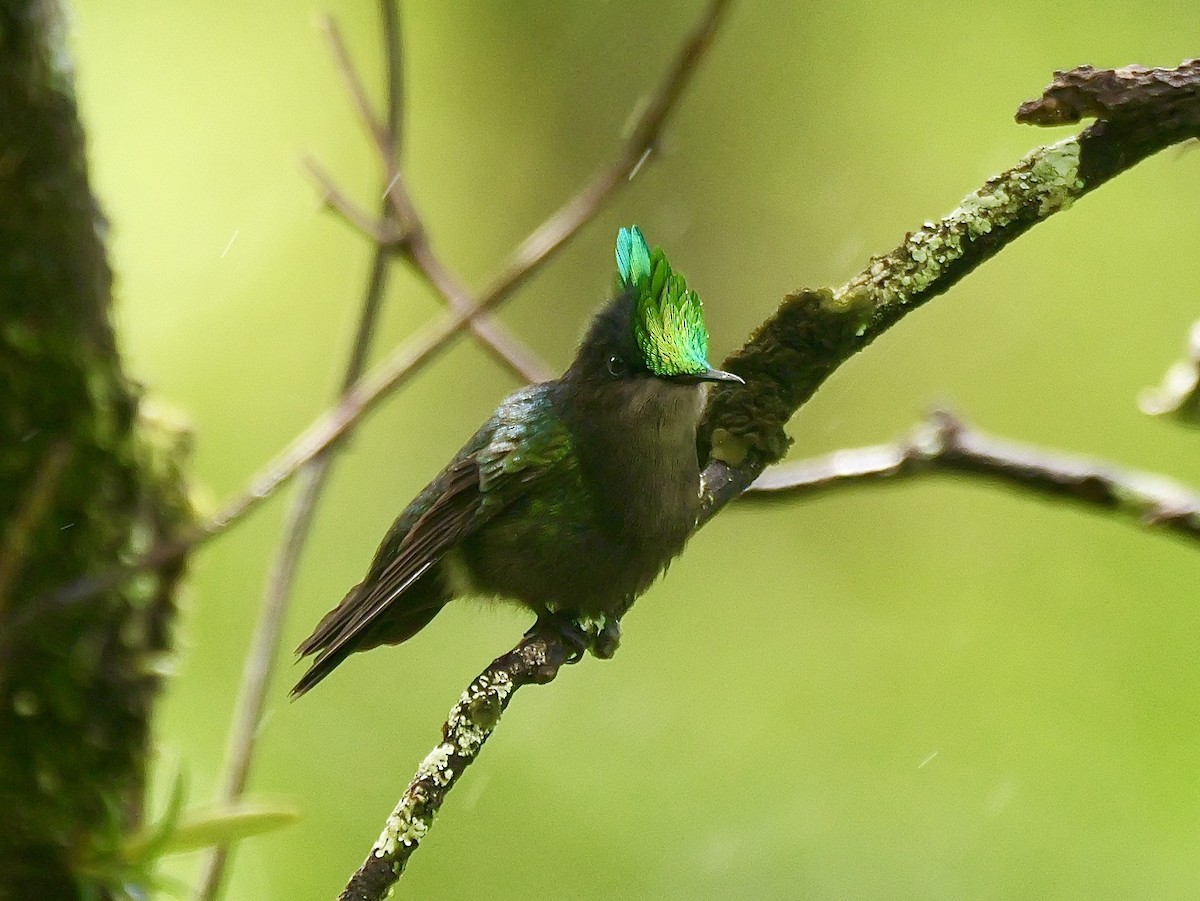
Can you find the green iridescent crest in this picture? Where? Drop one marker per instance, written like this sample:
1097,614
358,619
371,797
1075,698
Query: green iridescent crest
668,319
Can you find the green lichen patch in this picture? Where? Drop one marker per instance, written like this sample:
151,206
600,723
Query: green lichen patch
1045,182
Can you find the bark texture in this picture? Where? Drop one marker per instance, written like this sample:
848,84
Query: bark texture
86,481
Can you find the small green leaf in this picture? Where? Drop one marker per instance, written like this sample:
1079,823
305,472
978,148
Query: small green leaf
225,826
148,844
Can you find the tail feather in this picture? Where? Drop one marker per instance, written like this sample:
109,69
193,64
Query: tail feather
394,629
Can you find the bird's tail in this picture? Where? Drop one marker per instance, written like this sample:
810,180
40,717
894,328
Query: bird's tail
396,627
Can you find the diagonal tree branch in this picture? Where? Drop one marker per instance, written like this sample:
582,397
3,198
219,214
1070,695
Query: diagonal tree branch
536,660
491,333
814,331
944,444
784,363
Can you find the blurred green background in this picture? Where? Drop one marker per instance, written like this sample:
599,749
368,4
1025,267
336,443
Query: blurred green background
937,690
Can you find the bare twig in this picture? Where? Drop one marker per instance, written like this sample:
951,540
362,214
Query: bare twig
945,444
418,252
381,230
385,137
264,650
406,231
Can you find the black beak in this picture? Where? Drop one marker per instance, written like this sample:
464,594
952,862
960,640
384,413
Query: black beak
718,375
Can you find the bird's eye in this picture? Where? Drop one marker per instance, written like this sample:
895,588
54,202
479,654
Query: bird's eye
616,366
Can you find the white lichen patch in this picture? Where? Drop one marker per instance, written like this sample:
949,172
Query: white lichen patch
413,816
434,766
403,828
1046,181
477,712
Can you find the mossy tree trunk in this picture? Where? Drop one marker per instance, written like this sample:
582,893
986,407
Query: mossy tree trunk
86,482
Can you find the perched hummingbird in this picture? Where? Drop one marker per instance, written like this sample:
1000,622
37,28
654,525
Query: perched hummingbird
571,498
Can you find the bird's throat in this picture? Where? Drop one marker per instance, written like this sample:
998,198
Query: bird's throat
636,442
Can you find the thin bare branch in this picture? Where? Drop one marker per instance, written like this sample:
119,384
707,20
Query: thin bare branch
381,230
393,54
504,346
264,650
385,141
945,444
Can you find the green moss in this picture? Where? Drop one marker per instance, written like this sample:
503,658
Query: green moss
1045,182
84,487
783,363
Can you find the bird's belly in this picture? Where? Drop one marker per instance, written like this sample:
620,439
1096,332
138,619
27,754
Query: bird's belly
573,568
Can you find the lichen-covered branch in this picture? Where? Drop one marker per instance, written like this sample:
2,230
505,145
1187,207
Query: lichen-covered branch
536,660
945,444
88,480
814,331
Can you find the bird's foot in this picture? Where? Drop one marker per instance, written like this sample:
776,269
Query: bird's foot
607,639
600,635
567,628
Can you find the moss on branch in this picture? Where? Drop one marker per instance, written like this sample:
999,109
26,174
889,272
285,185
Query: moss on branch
84,484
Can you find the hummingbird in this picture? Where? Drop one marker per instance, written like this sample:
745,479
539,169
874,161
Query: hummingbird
571,499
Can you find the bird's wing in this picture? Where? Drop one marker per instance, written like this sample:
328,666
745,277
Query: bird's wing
521,441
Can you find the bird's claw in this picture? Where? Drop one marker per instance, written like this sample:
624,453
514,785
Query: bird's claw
582,634
607,640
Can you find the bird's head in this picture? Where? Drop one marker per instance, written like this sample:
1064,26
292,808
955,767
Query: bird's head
653,328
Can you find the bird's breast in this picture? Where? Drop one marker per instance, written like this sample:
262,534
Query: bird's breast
603,525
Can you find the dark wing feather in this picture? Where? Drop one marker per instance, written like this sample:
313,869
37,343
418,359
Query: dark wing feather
524,439
454,513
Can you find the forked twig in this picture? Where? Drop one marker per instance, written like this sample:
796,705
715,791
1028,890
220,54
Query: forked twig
943,443
403,362
403,229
